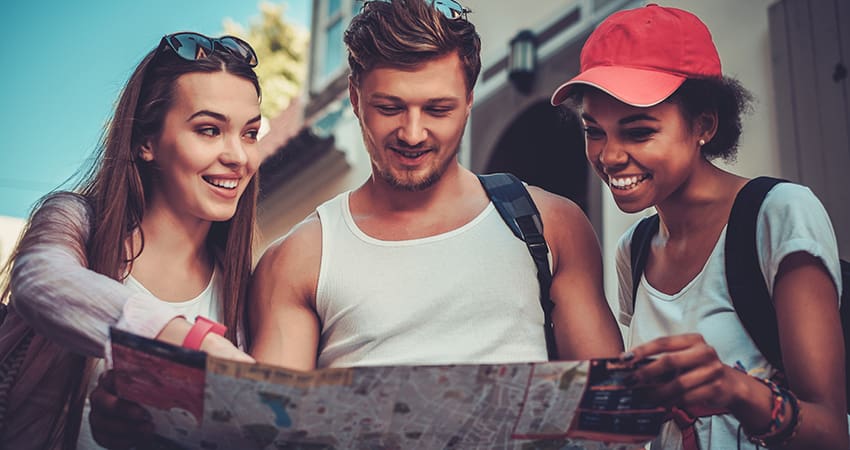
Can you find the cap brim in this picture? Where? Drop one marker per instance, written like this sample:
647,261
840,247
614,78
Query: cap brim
637,87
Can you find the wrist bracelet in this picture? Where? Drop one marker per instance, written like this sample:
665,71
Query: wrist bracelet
775,434
790,432
200,329
777,411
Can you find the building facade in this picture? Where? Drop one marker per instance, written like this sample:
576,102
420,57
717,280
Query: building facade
791,54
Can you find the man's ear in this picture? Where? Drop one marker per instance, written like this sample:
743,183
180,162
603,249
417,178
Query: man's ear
146,151
354,97
469,100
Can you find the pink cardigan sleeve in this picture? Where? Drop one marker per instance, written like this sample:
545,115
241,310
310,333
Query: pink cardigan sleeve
55,292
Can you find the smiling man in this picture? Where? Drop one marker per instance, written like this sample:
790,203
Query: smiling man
416,266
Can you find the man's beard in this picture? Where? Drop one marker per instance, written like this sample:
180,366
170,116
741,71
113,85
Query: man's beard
421,185
418,185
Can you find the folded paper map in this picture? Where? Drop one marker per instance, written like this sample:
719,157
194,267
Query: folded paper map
199,401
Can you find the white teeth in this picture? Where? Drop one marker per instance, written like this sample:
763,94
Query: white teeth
409,154
223,183
626,183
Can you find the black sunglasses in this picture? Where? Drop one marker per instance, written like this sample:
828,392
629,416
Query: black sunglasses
194,46
451,9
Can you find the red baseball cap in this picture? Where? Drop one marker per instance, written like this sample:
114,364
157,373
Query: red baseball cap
641,56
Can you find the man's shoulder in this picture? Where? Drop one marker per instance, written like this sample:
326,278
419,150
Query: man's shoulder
565,226
553,205
303,240
287,272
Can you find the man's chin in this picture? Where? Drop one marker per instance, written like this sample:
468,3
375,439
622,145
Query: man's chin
411,183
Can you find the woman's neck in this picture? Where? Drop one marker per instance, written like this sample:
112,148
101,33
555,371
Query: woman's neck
175,263
702,202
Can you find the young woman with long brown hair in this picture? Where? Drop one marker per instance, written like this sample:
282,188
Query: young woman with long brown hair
159,232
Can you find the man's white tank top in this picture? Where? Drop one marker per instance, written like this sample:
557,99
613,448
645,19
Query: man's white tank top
469,295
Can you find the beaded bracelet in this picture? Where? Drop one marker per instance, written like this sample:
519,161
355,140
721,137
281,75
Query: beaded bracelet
773,435
790,432
776,413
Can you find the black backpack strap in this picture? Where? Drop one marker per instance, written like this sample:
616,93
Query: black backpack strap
640,245
10,367
511,199
747,288
844,312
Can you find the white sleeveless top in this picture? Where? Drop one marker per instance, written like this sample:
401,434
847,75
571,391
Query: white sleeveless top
208,304
466,296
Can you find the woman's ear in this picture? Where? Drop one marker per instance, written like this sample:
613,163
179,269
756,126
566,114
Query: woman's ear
146,151
706,126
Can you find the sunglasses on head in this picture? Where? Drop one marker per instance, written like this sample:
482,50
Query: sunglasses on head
194,46
451,9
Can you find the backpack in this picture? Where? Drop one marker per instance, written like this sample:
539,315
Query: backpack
747,288
511,199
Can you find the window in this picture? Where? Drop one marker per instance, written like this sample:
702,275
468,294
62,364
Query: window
333,17
334,50
333,7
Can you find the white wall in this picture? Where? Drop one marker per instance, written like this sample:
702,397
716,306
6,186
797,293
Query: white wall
497,21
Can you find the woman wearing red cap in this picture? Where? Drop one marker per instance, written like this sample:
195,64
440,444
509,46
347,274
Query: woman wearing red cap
657,110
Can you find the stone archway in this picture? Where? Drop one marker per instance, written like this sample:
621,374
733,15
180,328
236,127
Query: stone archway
544,147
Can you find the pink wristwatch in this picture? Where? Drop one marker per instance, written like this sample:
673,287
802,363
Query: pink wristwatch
199,331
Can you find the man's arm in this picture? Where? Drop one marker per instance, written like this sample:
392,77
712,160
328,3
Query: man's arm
282,317
584,323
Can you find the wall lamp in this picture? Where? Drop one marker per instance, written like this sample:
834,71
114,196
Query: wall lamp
522,61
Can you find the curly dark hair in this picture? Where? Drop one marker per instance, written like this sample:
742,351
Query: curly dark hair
725,96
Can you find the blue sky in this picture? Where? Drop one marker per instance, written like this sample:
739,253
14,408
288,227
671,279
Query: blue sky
65,64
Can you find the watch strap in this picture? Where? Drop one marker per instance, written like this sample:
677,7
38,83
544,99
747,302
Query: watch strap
200,329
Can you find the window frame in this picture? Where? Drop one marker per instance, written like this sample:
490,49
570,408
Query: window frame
323,76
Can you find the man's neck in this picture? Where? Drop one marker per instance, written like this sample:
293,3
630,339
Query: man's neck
384,212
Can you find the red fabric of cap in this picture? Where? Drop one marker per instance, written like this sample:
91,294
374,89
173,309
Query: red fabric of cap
641,56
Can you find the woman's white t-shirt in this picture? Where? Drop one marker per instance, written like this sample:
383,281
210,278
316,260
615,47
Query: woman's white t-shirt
791,220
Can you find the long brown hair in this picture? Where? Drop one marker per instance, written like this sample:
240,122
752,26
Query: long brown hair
118,184
115,188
